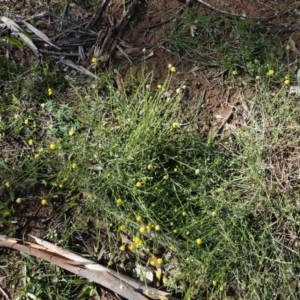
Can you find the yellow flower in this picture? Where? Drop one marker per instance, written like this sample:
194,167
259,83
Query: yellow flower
173,69
50,92
7,184
159,261
270,72
138,241
221,288
94,60
165,280
122,248
144,50
142,229
234,72
121,287
119,201
122,227
175,230
26,121
110,263
44,202
19,200
139,218
36,155
214,283
74,166
52,146
138,184
184,213
89,196
152,262
158,275
60,185
166,177
131,247
175,125
197,171
30,142
159,86
149,167
288,47
71,132
199,241
157,228
287,82
213,214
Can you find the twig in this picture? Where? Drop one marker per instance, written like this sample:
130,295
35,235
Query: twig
248,17
124,53
58,53
5,295
96,16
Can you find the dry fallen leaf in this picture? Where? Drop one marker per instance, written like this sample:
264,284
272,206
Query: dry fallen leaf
221,115
293,45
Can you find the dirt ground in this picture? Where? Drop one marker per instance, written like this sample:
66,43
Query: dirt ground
146,28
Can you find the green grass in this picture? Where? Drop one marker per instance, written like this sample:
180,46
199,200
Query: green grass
222,213
227,43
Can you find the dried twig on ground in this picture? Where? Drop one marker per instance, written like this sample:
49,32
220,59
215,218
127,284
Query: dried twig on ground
120,284
96,16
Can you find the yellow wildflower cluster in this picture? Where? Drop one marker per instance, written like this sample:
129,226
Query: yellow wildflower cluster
119,201
171,68
156,262
143,229
199,241
74,166
71,132
44,202
286,80
122,248
138,241
122,227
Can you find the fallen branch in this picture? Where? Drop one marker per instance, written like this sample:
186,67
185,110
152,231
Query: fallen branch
120,284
